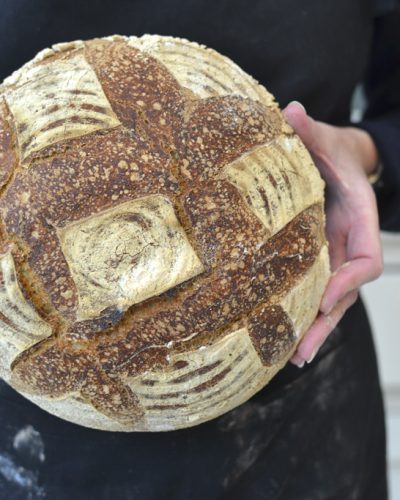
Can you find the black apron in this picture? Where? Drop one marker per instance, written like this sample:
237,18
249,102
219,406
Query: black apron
312,433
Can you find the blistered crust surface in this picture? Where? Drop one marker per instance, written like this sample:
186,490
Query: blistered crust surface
166,228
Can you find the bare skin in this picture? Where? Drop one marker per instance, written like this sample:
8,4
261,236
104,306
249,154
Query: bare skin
344,157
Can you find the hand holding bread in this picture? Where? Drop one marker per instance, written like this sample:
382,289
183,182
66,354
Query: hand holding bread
345,156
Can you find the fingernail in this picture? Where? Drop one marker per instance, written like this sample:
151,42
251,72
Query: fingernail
299,104
298,361
313,354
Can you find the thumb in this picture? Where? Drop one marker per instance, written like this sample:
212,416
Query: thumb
303,125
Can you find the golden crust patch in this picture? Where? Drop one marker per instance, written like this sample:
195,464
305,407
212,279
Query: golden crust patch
200,384
127,254
58,101
277,180
20,325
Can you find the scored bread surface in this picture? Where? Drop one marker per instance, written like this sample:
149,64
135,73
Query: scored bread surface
162,234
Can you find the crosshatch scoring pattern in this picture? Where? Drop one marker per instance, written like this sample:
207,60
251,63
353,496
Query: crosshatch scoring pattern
162,233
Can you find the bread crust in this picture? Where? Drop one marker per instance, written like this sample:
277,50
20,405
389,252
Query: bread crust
162,234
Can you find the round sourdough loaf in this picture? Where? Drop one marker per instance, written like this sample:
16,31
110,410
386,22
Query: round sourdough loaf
162,234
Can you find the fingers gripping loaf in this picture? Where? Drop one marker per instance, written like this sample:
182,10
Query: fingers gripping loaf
162,234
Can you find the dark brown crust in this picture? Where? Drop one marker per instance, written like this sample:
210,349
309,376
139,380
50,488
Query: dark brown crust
219,130
59,372
63,371
272,333
221,223
110,397
169,143
141,91
31,286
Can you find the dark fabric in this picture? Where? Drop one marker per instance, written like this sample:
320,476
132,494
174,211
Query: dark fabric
384,6
315,52
314,433
319,437
382,118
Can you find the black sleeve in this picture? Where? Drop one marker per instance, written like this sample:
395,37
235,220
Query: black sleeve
382,117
